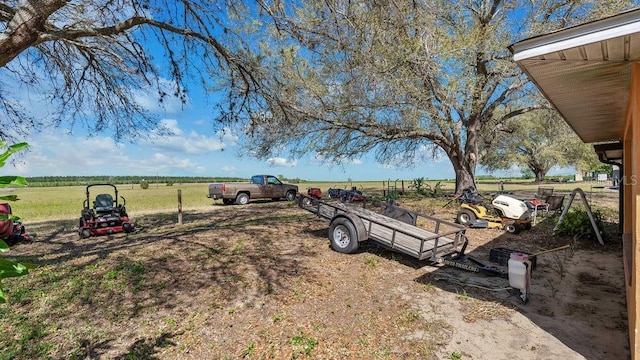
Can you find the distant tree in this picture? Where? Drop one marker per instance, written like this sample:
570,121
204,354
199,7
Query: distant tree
536,141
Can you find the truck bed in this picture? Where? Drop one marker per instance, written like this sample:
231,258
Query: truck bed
428,239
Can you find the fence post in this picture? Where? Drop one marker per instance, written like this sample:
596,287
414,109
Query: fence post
179,207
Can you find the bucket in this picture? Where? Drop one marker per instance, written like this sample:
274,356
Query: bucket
518,273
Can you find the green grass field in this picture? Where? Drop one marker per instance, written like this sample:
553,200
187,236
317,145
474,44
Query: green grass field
66,202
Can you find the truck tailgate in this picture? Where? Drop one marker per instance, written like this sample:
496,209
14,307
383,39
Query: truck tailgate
216,191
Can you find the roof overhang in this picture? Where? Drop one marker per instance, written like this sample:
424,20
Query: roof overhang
585,72
610,153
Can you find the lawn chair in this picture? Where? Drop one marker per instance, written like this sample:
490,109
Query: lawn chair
539,204
554,202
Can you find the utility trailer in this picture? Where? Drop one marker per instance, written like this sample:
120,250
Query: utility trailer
420,236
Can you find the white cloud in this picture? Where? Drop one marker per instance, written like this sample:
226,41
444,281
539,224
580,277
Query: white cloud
282,162
192,142
319,159
229,169
60,154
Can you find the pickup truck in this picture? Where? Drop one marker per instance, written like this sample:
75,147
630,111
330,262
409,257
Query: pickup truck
260,187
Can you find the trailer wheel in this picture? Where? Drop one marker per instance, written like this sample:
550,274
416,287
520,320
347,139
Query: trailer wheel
512,228
343,236
306,201
242,199
465,217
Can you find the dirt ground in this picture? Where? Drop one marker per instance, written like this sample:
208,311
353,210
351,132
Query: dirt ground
260,281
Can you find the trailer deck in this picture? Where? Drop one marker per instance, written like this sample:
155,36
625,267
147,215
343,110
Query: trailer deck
423,237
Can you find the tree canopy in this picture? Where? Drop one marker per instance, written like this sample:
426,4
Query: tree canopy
335,79
84,63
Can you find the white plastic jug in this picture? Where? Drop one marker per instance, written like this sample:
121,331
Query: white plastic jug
520,274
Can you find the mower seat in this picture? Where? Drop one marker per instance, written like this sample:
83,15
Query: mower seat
103,203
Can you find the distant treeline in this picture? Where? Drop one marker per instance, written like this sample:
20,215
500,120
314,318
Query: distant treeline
118,180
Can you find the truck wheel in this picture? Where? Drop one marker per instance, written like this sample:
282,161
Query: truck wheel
290,196
465,217
343,236
242,199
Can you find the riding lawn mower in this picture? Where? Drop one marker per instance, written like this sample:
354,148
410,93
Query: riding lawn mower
107,216
11,230
505,212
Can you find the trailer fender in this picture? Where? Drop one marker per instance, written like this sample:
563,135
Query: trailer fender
357,223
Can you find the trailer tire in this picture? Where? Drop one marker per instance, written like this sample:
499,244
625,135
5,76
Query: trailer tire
242,199
465,217
343,236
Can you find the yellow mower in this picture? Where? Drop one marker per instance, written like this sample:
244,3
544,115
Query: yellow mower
505,212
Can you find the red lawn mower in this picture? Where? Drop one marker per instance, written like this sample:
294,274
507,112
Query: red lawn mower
11,231
106,217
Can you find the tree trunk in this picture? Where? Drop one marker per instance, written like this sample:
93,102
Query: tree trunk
464,179
465,170
540,175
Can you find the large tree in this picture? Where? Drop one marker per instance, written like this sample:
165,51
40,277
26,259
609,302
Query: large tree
401,78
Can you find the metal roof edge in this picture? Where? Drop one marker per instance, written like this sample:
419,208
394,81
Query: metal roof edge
624,23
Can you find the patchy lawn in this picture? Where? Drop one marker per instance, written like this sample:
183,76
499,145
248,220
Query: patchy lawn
261,282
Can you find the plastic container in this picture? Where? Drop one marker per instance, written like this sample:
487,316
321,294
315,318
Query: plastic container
518,272
502,255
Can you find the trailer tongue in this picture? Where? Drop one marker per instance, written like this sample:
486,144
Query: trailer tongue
420,236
